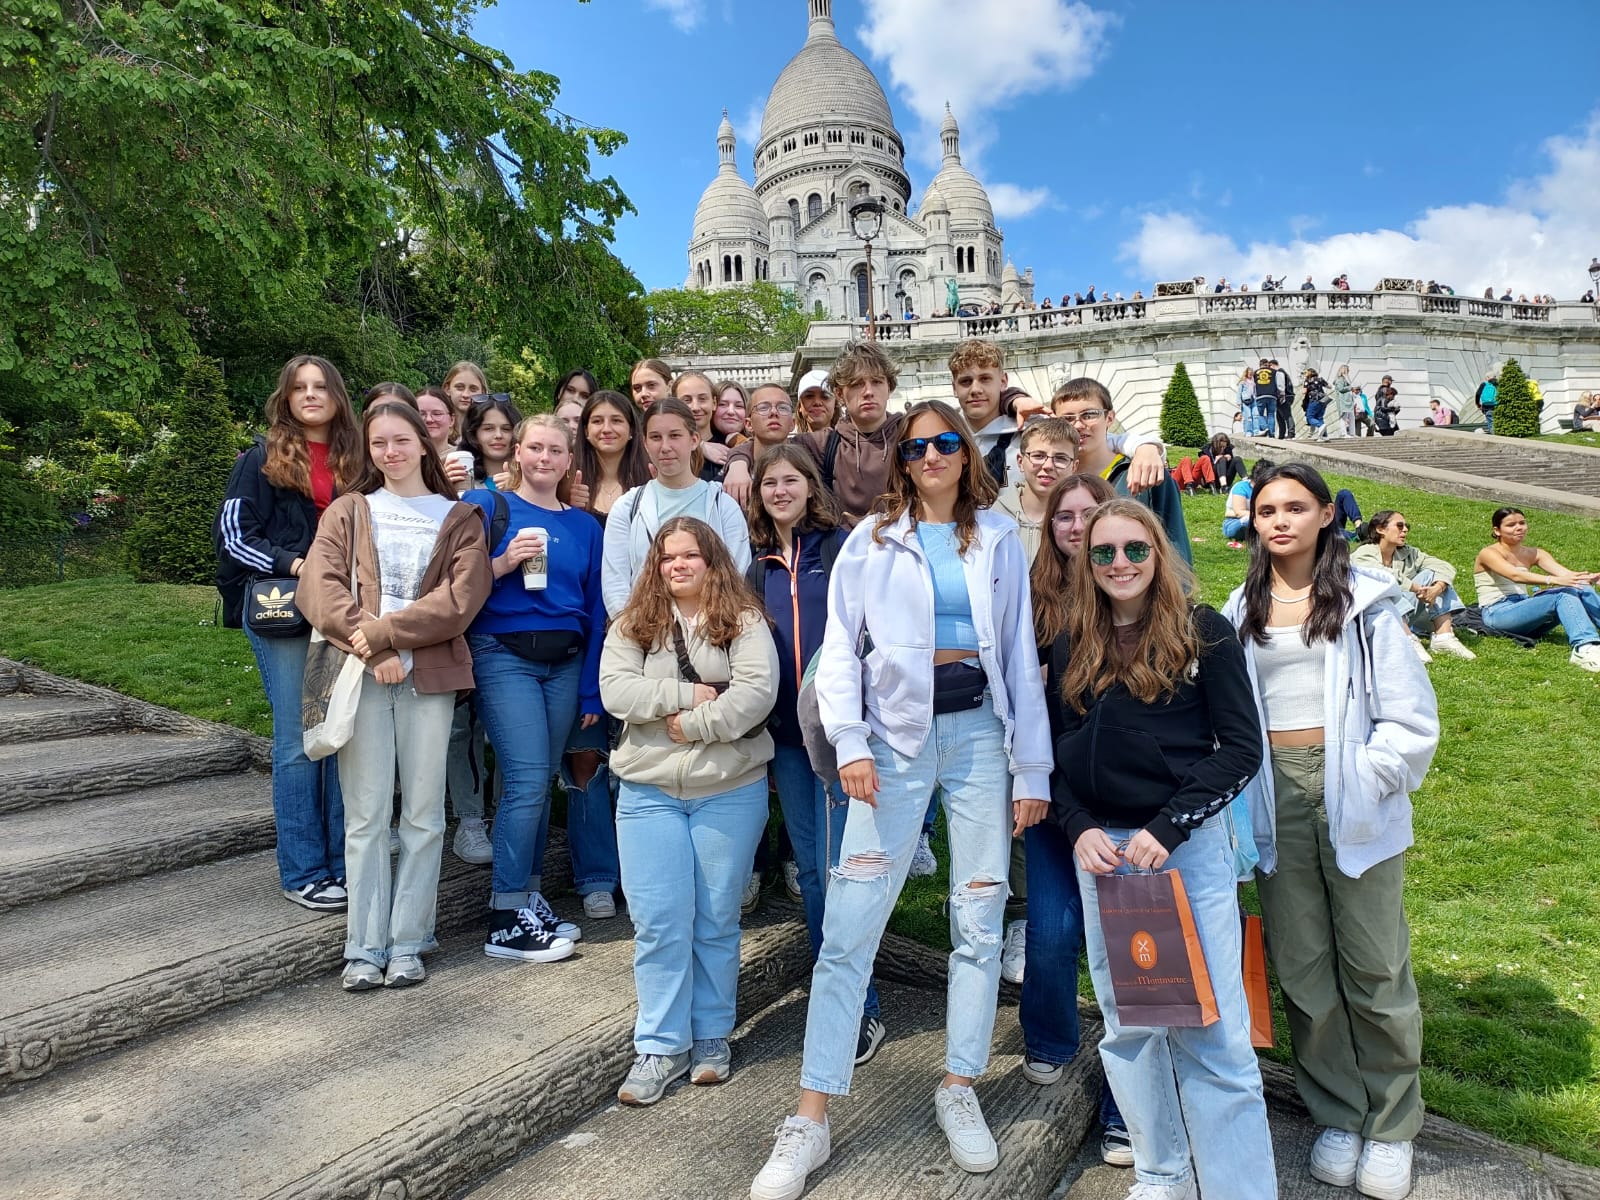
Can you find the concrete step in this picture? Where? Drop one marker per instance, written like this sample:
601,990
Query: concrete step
37,773
28,718
99,969
56,849
314,1093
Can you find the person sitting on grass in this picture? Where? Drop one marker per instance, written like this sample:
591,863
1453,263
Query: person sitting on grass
1427,598
1226,465
1503,573
1236,518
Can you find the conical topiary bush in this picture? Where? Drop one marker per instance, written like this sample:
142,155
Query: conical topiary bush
1181,422
1515,413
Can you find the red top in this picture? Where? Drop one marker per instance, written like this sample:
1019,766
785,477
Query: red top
321,475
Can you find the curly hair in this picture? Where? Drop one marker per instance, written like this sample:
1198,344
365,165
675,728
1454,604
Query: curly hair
288,462
858,361
1168,641
1050,580
977,487
725,598
974,354
822,510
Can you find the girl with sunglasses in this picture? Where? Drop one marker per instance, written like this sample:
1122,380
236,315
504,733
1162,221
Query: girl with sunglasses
1155,734
1352,725
927,678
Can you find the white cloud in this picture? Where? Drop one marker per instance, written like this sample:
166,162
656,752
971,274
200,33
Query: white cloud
1539,238
935,53
748,128
1012,200
684,14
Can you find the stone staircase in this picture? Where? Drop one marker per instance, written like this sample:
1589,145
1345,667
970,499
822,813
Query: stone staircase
171,1027
1519,461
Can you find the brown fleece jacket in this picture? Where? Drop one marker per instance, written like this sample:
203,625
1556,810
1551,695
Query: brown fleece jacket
860,470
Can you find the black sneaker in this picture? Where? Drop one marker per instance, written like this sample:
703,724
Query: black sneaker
326,895
869,1039
518,933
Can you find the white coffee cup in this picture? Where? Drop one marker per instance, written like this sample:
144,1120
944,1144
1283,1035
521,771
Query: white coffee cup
465,458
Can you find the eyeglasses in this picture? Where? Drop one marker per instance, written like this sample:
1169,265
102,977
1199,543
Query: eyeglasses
1039,457
1087,417
767,410
1106,554
1063,519
489,397
915,449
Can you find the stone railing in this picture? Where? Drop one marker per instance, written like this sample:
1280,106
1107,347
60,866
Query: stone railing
1277,305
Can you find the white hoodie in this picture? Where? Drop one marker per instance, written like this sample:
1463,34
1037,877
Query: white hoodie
1380,727
887,589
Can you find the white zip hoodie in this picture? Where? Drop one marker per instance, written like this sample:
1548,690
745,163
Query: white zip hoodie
887,589
632,526
1380,730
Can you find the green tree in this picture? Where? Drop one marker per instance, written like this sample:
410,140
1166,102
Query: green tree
1181,422
753,318
170,541
1515,413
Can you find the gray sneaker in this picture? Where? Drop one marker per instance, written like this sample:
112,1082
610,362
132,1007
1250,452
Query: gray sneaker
472,842
710,1060
405,970
361,976
649,1076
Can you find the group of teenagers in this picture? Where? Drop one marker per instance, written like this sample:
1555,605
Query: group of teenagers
992,609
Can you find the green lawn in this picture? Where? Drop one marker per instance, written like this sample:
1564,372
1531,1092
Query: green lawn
1502,897
1588,437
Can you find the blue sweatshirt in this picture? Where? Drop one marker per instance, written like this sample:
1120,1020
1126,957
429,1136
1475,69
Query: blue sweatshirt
572,600
796,596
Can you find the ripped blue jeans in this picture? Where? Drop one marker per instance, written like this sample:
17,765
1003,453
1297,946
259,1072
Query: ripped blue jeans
965,756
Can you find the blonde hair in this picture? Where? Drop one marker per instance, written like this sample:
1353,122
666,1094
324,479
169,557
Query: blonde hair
974,353
556,425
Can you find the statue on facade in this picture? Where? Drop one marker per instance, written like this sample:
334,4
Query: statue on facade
952,296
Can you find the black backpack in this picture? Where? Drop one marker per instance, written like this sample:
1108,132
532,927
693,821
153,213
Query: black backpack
755,573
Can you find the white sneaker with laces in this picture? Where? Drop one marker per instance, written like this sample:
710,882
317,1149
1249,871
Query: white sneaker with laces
791,878
1187,1190
923,862
472,842
752,894
971,1143
1384,1172
802,1147
1422,651
1587,657
1449,643
599,906
1334,1156
1013,957
547,916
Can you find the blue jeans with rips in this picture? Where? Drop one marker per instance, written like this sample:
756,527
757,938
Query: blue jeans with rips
307,805
965,756
815,820
1575,609
685,863
528,709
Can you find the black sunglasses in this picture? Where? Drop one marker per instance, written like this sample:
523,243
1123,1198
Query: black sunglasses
914,449
1106,554
489,397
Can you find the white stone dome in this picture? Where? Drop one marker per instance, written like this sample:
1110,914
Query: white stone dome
933,201
824,83
968,202
728,208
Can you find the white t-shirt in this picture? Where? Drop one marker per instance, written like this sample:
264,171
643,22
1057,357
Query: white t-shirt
404,530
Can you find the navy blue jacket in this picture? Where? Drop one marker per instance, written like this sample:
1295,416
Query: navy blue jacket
797,601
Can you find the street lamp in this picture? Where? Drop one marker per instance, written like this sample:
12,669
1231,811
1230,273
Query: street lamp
866,219
1594,277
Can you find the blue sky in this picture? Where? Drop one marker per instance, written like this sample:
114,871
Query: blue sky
1126,141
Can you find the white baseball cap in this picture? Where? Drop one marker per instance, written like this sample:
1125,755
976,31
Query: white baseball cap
814,379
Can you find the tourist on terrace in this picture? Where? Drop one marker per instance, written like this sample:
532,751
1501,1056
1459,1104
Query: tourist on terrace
1505,570
1247,403
1440,414
1586,413
1386,407
1350,717
1344,402
1427,596
948,699
1487,398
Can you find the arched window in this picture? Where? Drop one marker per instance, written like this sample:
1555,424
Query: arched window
738,268
813,206
727,268
863,300
794,212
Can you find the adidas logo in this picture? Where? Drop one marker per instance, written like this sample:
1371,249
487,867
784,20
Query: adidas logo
275,602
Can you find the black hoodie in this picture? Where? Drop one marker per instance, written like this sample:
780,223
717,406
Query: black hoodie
260,530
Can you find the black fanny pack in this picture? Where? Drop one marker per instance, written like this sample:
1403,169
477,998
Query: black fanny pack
543,645
269,607
958,686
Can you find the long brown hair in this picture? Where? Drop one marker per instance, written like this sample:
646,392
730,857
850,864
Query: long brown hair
1331,594
633,468
977,487
822,510
725,601
373,478
1050,580
1168,642
541,421
288,463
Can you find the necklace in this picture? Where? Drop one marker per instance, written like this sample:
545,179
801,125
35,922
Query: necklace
1290,599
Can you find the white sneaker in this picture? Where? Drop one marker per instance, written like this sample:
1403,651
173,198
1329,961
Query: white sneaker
1334,1156
752,894
1384,1172
1041,1073
472,842
547,915
923,863
802,1147
1422,651
1449,643
599,906
1187,1190
1587,657
971,1143
1014,956
791,878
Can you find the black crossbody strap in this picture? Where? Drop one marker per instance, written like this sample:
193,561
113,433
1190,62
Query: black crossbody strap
685,667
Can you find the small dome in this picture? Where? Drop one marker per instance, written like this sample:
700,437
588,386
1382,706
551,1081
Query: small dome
728,208
824,83
969,203
948,125
1009,275
932,202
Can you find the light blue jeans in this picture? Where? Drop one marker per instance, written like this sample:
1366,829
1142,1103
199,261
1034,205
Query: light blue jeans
965,756
1420,616
1575,609
684,867
396,730
1190,1092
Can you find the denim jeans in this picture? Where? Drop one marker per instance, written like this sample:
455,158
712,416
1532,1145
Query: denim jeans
1049,1011
1266,416
306,803
815,821
528,708
684,867
1575,609
466,772
591,828
965,756
397,730
1488,419
1191,1093
1420,616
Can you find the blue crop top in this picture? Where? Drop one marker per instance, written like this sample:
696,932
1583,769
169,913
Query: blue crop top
952,607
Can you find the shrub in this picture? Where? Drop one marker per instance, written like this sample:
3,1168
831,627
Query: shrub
1181,422
1515,414
170,541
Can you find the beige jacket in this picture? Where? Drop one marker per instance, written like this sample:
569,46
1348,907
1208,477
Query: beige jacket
642,689
1010,502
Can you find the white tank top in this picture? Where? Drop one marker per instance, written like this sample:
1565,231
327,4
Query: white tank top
1290,674
1493,587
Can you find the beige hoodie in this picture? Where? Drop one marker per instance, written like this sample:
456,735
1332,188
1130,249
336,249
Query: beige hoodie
642,689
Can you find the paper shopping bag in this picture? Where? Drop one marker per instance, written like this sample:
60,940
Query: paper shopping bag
1158,970
1255,983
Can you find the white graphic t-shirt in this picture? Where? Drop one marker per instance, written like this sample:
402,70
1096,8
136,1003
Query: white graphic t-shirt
404,530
